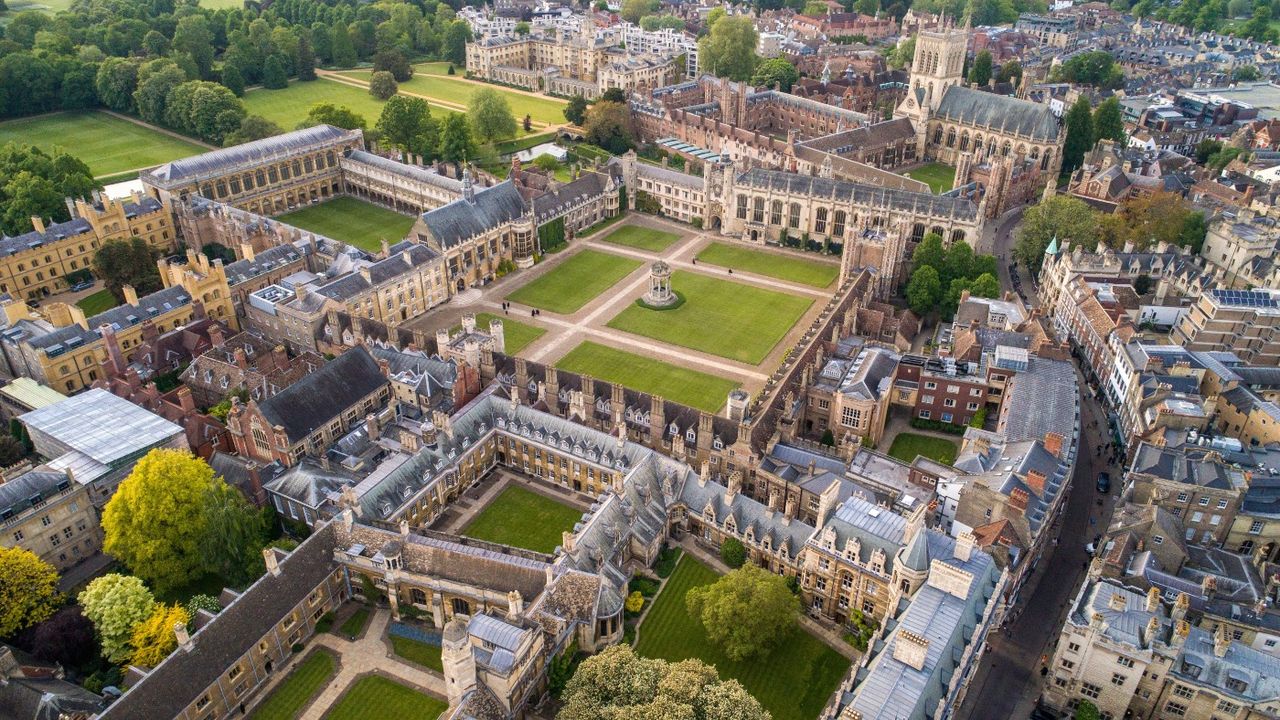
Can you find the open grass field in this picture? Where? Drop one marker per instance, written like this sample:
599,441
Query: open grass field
302,684
453,90
352,221
907,446
724,318
940,177
523,518
49,6
374,696
517,335
289,106
770,264
417,652
641,238
575,282
682,385
107,144
100,301
793,682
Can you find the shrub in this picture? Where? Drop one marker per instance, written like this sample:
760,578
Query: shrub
666,563
324,623
296,648
733,553
647,587
635,602
924,424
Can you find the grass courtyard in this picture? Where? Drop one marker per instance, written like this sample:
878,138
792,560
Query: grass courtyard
724,318
107,144
770,264
458,91
100,301
682,385
374,696
641,238
793,682
523,518
906,446
517,335
302,684
575,282
352,221
940,177
417,652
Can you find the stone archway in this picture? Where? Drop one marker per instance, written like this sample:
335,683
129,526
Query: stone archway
715,222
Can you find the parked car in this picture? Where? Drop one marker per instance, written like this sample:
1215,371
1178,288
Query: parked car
1104,483
82,285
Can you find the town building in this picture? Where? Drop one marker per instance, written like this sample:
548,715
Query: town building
1244,322
46,512
244,363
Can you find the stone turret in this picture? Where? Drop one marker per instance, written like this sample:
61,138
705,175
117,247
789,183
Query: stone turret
458,660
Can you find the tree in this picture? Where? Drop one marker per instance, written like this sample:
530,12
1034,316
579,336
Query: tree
253,127
986,286
193,37
924,290
335,115
1108,122
234,535
342,48
1194,229
775,71
617,683
116,603
608,125
28,590
903,53
617,95
156,80
456,37
126,262
1097,68
980,73
305,66
733,552
1086,711
1079,122
158,520
929,253
490,115
34,183
116,80
546,162
394,62
1011,71
747,612
11,450
1066,218
382,85
1246,73
65,638
633,10
951,298
958,262
1154,218
274,76
522,28
204,602
28,195
456,145
233,80
406,123
576,111
1259,26
153,639
729,49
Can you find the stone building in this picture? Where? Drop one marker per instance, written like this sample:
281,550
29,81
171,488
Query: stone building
1192,484
244,362
1245,322
46,512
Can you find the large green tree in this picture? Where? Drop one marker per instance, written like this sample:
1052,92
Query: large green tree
335,115
253,127
1066,218
156,79
28,590
980,73
406,123
929,252
115,82
924,290
576,111
729,49
193,37
456,144
454,45
1079,122
343,49
126,262
1108,121
274,75
490,115
34,183
746,612
382,85
116,603
775,71
608,125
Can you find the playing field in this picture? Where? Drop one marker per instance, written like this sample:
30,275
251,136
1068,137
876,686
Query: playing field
682,385
720,317
352,221
302,684
575,282
107,144
793,682
289,106
523,518
515,334
906,446
940,177
771,264
374,696
641,238
452,90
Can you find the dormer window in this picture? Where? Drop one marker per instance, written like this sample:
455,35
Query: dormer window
689,436
717,444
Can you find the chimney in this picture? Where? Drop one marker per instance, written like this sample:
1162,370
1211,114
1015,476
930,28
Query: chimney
1221,641
1153,599
241,360
386,248
115,358
1181,629
965,542
273,564
184,637
1053,443
1018,499
706,473
566,540
1180,606
185,399
246,251
515,604
37,222
130,295
371,426
216,336
911,649
1036,480
1118,601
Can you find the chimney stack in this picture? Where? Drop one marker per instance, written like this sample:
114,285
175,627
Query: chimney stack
184,637
273,564
911,649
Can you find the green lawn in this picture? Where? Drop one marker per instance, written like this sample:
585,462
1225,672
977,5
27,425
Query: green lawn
523,518
107,144
940,177
770,264
374,696
17,6
720,317
452,90
575,282
352,221
793,682
682,385
641,238
100,301
907,446
418,652
289,106
303,683
353,625
517,335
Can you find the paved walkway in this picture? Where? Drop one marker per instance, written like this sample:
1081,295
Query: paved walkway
370,654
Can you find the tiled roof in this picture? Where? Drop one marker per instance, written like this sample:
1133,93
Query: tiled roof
197,167
121,316
462,219
998,112
323,395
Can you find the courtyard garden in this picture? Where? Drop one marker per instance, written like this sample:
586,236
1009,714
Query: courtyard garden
678,384
793,682
523,518
303,683
770,264
106,143
517,335
641,238
98,302
720,317
940,177
352,221
575,282
416,651
906,446
374,696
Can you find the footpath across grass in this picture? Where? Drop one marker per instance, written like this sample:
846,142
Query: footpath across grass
793,682
458,91
374,696
302,684
106,143
352,221
770,264
575,282
523,518
906,446
678,384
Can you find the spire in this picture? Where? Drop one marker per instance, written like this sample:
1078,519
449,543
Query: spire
468,192
1052,249
968,15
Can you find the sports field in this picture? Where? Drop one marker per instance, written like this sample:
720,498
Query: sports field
641,238
575,282
720,317
793,682
374,696
453,90
523,518
352,221
289,106
107,144
939,176
770,264
682,385
515,334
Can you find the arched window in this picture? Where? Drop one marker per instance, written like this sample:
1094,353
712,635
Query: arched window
957,236
757,212
1044,161
742,207
837,227
461,607
951,137
939,231
937,135
820,223
964,141
917,232
977,144
1006,149
794,220
775,213
1035,152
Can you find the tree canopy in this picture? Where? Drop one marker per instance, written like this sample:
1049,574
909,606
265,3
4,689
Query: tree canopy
1097,68
1068,219
126,262
746,612
775,71
28,590
153,639
608,125
406,123
382,85
335,115
1079,122
116,603
981,72
1149,219
34,183
1108,121
490,115
729,49
576,111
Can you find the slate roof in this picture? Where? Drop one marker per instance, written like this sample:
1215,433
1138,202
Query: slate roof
845,191
410,172
323,395
18,494
215,162
1189,465
121,316
998,112
556,202
35,698
489,208
310,483
389,268
264,262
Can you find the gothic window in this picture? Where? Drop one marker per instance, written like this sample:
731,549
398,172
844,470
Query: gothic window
964,141
757,211
416,596
957,236
937,135
775,213
1044,161
820,223
977,144
951,137
939,231
917,232
794,219
742,207
461,607
1035,153
297,167
260,439
837,228
262,178
1008,146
